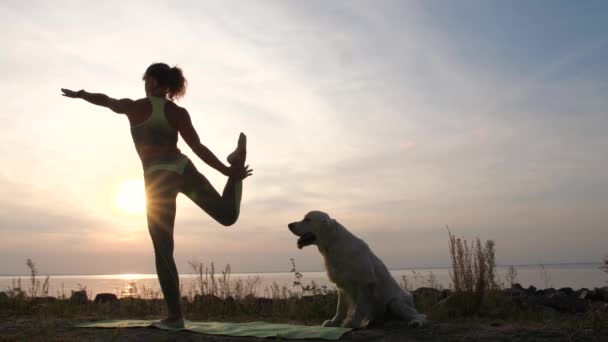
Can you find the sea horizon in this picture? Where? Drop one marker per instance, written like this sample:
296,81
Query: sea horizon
574,275
302,271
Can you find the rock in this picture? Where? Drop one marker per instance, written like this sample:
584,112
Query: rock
229,300
79,297
603,293
446,293
547,291
427,296
43,300
515,291
105,298
558,295
582,293
517,286
208,299
427,292
263,305
598,307
564,303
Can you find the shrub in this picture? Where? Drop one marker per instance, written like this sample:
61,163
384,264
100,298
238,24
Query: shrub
473,272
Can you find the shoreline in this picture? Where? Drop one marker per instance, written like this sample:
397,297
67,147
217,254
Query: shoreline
595,263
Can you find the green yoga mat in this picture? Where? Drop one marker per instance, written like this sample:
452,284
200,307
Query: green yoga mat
253,329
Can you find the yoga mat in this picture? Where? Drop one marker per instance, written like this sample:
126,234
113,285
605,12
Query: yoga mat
253,329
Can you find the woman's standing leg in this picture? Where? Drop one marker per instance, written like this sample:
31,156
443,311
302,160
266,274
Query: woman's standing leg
161,192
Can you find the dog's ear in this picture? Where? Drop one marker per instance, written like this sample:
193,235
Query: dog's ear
331,223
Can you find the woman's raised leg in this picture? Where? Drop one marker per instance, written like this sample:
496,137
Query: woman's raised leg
223,208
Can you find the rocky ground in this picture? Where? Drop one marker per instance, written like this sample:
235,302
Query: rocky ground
28,329
514,314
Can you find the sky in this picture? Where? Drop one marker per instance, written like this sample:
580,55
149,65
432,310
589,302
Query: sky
398,118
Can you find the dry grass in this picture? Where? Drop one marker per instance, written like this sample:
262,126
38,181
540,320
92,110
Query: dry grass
207,283
511,276
217,296
212,296
417,280
472,274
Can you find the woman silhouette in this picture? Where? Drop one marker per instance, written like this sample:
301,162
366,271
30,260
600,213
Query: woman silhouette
155,122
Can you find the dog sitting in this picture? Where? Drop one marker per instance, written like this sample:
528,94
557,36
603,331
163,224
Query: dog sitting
366,290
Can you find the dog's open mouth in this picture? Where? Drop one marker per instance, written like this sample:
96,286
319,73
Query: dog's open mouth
306,239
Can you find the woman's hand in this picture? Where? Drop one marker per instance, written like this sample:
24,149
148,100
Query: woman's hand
239,172
72,94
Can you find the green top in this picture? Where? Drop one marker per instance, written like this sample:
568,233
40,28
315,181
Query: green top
157,131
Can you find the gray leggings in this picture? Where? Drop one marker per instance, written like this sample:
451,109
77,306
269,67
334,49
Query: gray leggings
162,188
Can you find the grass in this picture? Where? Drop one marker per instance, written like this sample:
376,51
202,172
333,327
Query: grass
214,295
472,274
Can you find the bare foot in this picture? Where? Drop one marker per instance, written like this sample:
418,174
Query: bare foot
238,156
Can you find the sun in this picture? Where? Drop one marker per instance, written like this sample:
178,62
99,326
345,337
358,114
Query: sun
130,196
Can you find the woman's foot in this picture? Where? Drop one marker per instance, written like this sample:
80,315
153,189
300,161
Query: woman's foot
170,323
238,156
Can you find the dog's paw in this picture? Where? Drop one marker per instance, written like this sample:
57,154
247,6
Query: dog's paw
330,323
353,324
416,323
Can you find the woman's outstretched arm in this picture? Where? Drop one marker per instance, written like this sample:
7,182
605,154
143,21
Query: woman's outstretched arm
122,106
190,136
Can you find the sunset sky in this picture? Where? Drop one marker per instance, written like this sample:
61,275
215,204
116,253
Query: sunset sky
395,117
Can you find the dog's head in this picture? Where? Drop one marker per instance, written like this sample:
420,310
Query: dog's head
313,229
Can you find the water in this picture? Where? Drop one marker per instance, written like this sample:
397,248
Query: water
570,275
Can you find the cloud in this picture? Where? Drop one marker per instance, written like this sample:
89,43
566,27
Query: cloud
396,118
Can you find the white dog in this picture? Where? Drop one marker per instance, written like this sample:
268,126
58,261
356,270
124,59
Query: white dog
366,290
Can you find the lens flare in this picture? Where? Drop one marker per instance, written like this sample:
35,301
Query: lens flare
130,196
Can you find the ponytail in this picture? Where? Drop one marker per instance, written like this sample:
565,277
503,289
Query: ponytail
177,83
171,78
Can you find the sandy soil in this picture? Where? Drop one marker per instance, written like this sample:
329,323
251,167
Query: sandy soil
28,329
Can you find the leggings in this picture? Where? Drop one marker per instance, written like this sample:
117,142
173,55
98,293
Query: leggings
162,187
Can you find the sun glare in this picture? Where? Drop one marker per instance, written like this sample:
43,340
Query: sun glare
130,196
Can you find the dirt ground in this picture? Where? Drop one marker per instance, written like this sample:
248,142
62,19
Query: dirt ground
29,329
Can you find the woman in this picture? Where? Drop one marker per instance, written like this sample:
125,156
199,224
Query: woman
155,122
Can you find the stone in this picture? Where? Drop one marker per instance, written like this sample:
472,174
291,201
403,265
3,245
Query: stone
517,286
567,290
531,290
427,292
598,307
105,298
446,293
582,293
263,305
79,297
229,300
558,295
603,293
547,291
564,303
43,300
208,299
515,291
